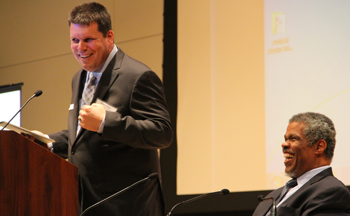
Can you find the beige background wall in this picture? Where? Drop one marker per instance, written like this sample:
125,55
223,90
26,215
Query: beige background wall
221,103
35,50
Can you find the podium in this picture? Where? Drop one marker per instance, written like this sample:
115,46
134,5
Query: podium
34,181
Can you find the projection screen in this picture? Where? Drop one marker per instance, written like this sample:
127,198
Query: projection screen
242,75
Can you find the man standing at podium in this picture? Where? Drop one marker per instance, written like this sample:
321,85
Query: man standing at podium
118,119
313,190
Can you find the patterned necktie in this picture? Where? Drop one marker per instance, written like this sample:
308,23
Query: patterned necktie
89,90
290,184
88,93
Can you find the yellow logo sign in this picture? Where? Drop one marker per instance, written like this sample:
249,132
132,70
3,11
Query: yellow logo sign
278,23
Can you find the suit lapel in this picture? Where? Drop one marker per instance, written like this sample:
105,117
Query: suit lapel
284,209
78,86
313,180
107,79
108,76
321,175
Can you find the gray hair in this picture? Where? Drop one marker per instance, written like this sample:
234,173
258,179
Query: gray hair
317,126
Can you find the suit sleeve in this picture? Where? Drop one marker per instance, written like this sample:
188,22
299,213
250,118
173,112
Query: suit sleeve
148,125
332,201
60,145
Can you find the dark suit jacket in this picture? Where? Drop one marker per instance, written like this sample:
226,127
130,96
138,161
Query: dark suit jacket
322,195
126,151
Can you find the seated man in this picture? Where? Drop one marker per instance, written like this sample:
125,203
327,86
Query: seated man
308,152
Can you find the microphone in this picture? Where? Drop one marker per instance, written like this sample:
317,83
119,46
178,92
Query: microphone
151,176
223,192
273,210
36,94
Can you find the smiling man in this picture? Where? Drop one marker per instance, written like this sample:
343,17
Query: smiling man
118,119
313,190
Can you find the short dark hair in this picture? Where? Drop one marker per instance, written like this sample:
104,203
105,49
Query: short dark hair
88,13
318,126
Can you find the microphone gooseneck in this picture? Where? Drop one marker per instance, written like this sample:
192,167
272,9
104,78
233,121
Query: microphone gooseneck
223,192
273,210
153,176
36,94
150,177
260,198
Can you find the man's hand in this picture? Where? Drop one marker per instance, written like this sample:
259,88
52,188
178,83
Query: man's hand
92,116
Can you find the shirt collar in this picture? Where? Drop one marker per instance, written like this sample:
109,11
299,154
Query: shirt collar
105,64
310,174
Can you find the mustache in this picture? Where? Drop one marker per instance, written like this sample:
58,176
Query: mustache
286,150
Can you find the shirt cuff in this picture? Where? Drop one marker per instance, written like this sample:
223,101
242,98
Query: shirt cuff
49,145
100,129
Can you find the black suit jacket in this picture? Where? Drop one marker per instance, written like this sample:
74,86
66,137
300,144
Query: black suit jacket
322,195
126,151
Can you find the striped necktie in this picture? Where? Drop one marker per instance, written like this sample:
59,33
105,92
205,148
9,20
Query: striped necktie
290,184
88,93
89,90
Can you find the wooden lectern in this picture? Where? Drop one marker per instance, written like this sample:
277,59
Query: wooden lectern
34,181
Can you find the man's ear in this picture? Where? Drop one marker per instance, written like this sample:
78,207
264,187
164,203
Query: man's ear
320,146
110,36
